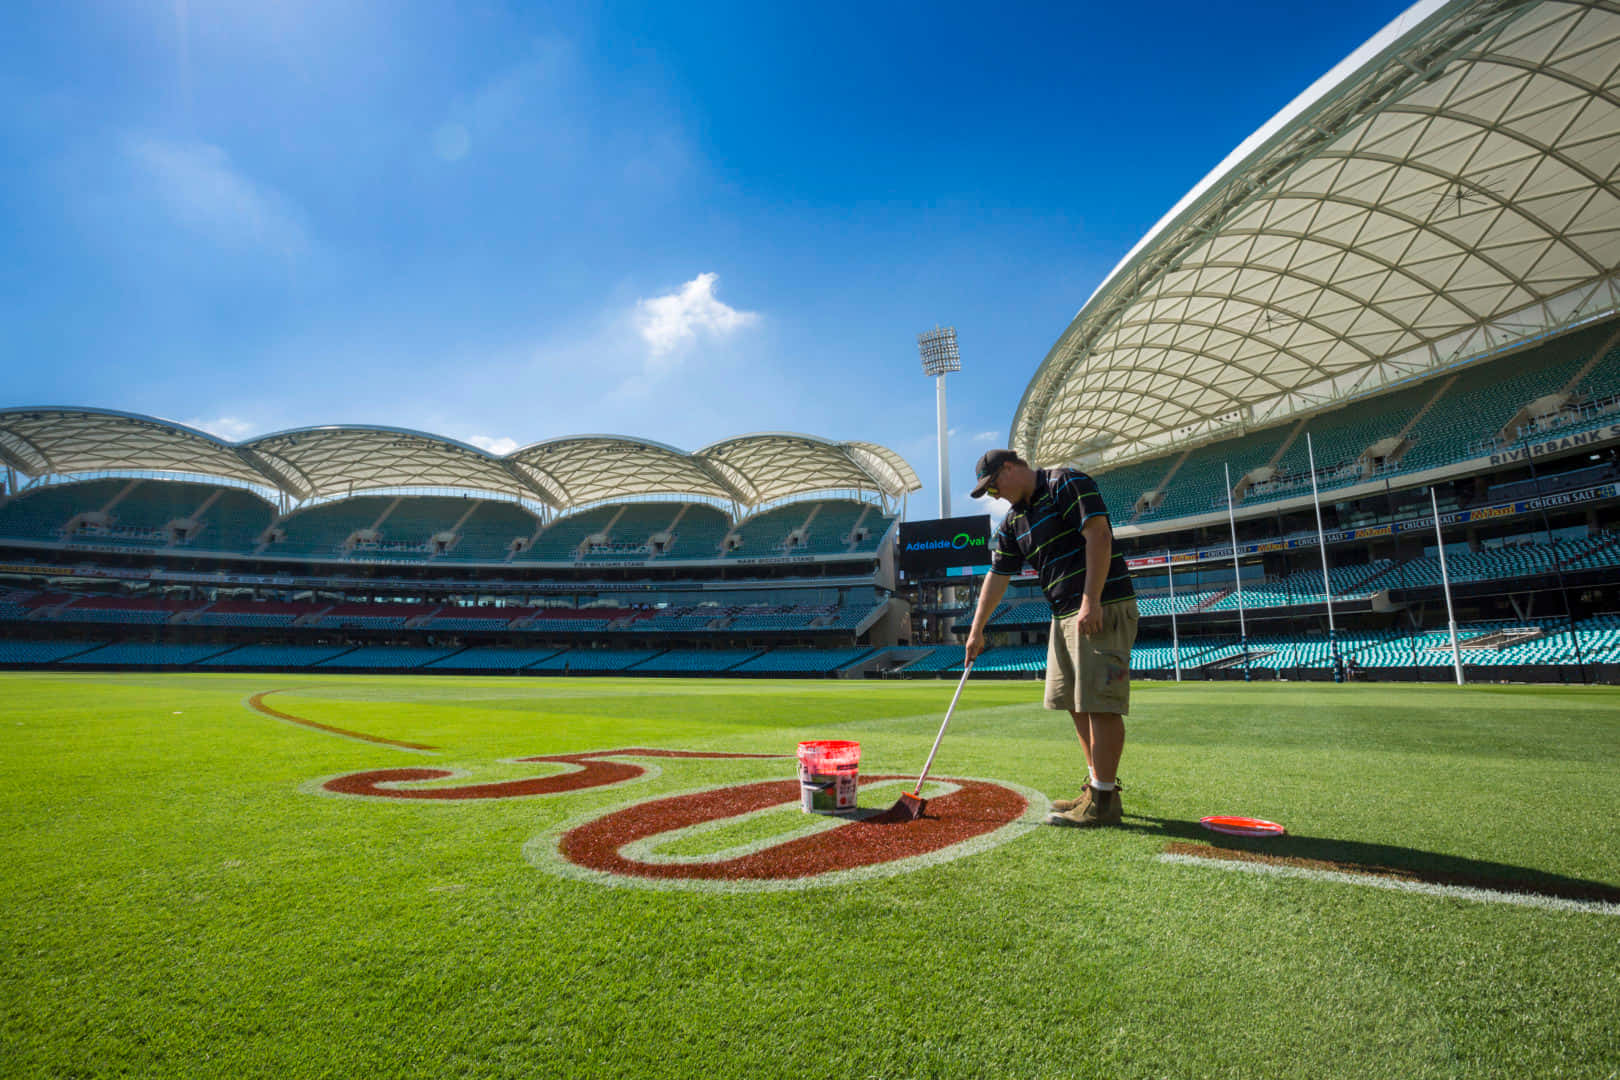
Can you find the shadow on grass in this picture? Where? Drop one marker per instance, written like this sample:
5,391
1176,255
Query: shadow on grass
1378,860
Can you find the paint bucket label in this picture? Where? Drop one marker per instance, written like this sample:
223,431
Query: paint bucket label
829,774
828,793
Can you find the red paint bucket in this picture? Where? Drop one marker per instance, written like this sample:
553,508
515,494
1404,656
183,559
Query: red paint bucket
829,773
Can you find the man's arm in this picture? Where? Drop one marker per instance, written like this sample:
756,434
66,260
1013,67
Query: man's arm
990,594
1099,549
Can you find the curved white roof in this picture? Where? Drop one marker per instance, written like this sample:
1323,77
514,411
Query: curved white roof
59,441
321,462
778,465
589,468
333,461
1447,192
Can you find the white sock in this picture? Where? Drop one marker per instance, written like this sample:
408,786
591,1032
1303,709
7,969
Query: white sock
1100,786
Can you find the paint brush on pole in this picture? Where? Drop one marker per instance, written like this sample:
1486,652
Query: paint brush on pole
911,804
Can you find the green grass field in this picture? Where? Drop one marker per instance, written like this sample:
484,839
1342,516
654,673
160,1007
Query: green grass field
181,901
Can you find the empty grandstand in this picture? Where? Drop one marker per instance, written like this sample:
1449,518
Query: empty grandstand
1361,383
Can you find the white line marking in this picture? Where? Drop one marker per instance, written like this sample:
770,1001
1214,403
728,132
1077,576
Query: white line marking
1455,892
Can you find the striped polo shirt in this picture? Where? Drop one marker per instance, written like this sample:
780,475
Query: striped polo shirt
1044,531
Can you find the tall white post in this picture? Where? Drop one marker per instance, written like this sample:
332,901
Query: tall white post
944,449
1445,583
1321,545
1175,636
1237,571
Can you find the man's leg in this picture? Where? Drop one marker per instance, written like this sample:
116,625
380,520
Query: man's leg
1082,728
1106,745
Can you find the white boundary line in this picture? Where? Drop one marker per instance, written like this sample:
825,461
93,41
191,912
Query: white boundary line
543,851
1455,892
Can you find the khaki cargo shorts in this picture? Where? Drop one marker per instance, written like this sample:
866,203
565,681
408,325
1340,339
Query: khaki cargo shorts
1092,673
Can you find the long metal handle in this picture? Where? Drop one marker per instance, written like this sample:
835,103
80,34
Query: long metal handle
929,764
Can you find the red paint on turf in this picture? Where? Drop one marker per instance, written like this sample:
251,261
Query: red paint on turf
593,773
979,807
256,702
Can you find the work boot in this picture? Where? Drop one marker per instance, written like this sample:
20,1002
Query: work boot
1100,808
1063,806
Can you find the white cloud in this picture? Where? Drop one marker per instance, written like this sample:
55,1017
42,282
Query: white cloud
230,428
500,447
200,190
987,437
668,322
996,508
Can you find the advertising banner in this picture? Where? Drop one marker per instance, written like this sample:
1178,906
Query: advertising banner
927,546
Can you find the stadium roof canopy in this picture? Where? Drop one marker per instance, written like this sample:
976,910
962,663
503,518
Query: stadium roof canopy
1449,191
329,462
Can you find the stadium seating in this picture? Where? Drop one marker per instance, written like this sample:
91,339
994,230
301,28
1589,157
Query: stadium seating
407,530
575,660
275,656
250,613
699,532
1121,487
765,534
487,533
848,617
695,661
943,658
1199,485
321,532
801,661
492,659
371,616
562,538
1027,658
43,514
386,656
468,623
682,619
147,654
232,522
42,652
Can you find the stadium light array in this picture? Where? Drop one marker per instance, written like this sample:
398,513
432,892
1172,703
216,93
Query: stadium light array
940,357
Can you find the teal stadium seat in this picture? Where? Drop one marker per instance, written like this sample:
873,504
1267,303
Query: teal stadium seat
275,656
492,658
320,532
486,535
147,654
386,656
802,661
562,539
42,652
696,661
573,660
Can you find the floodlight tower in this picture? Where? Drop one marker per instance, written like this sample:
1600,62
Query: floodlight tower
940,357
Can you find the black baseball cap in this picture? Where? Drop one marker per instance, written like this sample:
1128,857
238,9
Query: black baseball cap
990,464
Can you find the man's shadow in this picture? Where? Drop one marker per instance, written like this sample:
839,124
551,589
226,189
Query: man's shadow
1383,860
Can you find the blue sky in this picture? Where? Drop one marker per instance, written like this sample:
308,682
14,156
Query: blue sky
505,223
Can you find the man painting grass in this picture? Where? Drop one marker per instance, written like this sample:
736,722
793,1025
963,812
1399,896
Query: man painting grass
1059,525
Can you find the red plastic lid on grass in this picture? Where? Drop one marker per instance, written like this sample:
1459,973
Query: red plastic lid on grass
1241,826
830,755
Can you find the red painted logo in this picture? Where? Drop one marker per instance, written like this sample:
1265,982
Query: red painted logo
616,843
590,772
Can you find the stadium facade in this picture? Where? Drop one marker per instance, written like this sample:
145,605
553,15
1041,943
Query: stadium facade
1397,302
